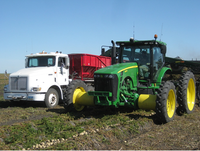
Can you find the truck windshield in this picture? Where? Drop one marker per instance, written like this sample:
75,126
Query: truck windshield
41,61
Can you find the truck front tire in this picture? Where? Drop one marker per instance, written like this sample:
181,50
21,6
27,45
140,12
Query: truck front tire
51,98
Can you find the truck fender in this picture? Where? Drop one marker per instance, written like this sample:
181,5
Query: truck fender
58,88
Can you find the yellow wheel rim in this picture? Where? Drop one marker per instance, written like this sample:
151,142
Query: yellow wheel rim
76,95
171,103
191,94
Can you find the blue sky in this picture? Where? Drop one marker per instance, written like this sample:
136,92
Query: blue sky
83,26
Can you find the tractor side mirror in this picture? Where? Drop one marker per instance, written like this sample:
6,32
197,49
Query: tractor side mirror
163,49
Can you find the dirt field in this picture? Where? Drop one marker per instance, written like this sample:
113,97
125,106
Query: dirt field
182,133
93,129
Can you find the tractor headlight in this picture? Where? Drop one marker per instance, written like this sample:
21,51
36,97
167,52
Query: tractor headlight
110,76
97,76
105,76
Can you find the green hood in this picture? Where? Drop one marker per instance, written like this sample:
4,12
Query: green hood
117,68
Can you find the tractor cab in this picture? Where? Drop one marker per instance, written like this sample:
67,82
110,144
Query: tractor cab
148,54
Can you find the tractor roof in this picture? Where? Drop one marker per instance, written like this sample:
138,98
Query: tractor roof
140,42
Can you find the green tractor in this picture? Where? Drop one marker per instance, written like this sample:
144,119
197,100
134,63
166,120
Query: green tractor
140,78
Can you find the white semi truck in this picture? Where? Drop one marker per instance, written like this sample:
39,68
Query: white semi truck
41,80
46,76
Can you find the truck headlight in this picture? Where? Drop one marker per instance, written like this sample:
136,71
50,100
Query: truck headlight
35,89
5,89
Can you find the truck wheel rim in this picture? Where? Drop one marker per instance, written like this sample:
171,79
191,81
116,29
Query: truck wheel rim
76,96
52,99
191,94
171,101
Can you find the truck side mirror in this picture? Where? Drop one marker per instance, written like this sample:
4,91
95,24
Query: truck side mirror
26,62
67,63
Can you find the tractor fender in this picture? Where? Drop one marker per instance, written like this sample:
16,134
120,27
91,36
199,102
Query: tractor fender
162,73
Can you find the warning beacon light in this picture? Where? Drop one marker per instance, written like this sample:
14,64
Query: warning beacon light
155,36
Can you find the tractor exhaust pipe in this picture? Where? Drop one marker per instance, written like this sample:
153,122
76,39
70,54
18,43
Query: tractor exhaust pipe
113,54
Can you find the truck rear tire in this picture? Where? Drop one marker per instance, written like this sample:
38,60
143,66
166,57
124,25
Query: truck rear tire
72,91
51,98
187,92
166,102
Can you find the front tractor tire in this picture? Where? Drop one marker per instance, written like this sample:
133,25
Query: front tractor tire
74,88
166,102
187,92
51,98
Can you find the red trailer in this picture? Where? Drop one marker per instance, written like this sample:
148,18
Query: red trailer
83,66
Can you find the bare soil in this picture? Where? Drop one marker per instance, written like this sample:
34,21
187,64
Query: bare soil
181,134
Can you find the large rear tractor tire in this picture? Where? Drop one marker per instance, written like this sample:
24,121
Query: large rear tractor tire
166,102
73,89
51,98
187,92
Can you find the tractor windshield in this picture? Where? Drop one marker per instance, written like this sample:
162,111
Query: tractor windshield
145,56
139,54
41,61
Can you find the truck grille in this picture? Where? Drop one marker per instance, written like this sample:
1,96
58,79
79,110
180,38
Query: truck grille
18,83
107,84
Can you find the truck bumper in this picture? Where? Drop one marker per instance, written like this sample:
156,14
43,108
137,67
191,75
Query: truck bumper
24,96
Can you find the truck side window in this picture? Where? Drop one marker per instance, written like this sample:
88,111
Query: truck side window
51,61
61,62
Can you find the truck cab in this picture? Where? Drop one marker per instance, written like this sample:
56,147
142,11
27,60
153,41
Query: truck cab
44,77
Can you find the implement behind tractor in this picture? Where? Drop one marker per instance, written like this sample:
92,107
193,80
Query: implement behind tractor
143,78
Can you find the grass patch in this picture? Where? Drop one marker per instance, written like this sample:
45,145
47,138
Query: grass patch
3,81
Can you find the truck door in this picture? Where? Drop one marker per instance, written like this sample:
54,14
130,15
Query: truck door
62,72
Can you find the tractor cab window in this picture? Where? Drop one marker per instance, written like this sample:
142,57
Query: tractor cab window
126,55
144,62
139,54
157,61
